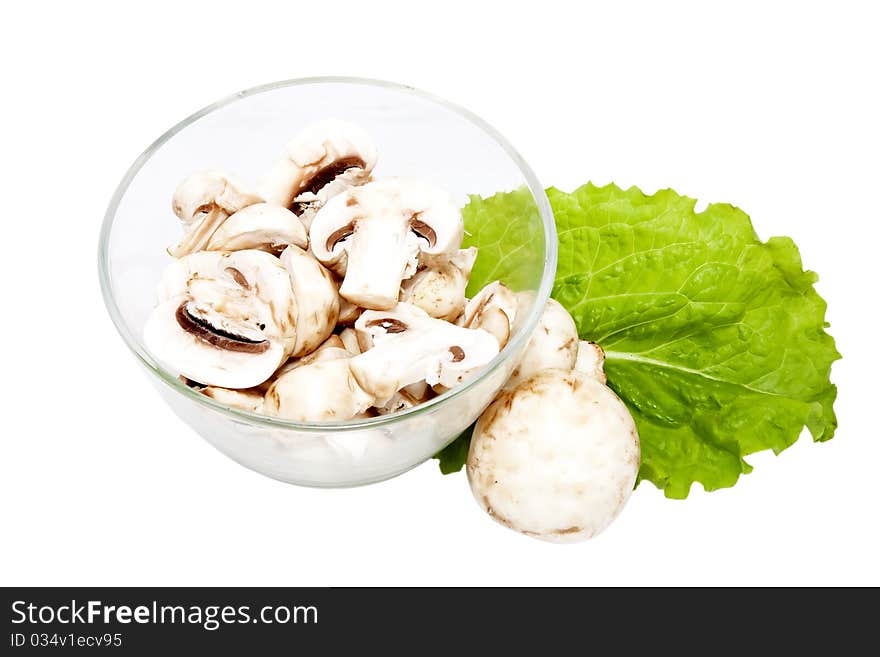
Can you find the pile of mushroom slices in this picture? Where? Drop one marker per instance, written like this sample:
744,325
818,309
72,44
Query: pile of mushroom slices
327,295
324,295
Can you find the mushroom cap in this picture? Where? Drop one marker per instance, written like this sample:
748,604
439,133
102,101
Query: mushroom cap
554,343
407,346
249,286
494,309
333,342
372,236
438,287
317,301
203,201
431,211
260,226
330,349
329,353
235,356
325,353
555,458
321,353
246,400
314,158
321,391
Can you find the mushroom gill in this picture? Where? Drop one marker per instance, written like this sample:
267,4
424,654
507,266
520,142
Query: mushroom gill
217,337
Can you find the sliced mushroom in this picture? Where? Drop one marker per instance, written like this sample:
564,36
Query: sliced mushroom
409,346
492,309
307,204
250,286
348,312
260,226
330,349
333,342
349,338
247,400
317,303
554,343
326,158
372,236
321,391
438,285
249,289
209,348
407,397
203,201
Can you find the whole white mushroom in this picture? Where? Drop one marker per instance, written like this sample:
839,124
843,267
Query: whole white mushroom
438,287
555,457
554,343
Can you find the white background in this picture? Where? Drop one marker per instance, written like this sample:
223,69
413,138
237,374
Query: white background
771,106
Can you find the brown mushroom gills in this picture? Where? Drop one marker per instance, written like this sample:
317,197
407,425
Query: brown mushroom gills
390,324
423,230
338,235
325,176
419,227
238,277
219,338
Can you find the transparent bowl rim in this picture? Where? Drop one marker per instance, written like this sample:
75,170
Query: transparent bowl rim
525,330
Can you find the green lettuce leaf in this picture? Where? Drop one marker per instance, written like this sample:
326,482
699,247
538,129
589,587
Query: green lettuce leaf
502,226
714,339
453,457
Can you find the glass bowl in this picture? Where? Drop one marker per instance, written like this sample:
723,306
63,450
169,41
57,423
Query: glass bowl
417,135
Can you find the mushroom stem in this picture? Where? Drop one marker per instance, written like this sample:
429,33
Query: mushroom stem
408,346
378,257
591,360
